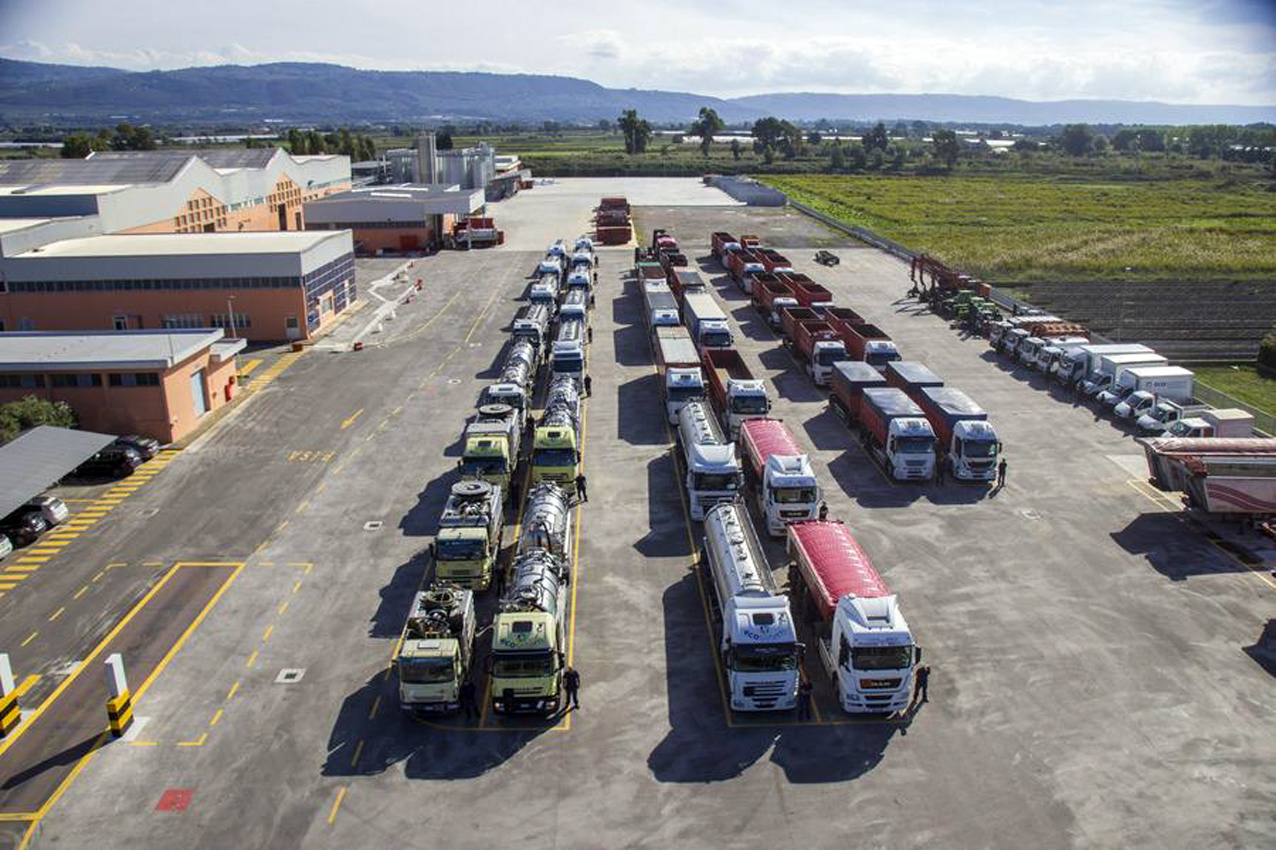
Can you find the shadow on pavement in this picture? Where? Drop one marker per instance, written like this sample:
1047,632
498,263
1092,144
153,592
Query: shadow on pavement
1263,650
1158,537
637,401
665,537
860,479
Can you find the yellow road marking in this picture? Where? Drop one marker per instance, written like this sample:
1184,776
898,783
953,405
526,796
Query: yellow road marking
56,614
233,690
23,568
99,575
252,659
269,631
336,804
376,703
283,607
27,684
216,718
80,592
30,638
358,751
12,576
346,423
198,742
304,504
248,367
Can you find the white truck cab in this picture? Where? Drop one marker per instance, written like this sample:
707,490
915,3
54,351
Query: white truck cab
683,384
911,448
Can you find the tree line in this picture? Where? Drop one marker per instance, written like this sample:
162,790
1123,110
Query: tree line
357,146
123,137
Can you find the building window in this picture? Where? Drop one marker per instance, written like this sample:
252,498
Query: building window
183,320
77,379
242,321
23,381
134,379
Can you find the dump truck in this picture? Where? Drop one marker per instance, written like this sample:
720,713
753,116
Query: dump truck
705,321
736,395
757,637
773,261
468,542
896,434
743,263
818,347
682,281
436,649
848,381
779,474
790,316
911,376
871,344
556,440
771,299
862,638
490,446
713,473
842,318
968,444
528,636
721,242
679,363
1217,475
808,292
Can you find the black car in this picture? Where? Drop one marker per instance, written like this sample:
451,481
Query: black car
113,461
23,527
147,447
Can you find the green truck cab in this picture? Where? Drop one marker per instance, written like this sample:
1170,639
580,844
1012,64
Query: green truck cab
468,542
528,645
490,451
556,441
436,649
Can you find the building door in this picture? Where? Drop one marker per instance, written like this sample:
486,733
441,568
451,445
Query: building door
297,218
283,217
292,328
198,397
121,323
409,243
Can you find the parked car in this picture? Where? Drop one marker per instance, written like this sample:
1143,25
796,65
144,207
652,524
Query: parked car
113,461
826,258
5,546
53,509
23,527
147,447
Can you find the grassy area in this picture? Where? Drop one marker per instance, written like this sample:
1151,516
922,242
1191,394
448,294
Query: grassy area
1242,383
1021,227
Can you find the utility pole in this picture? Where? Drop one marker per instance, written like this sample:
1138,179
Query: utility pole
230,314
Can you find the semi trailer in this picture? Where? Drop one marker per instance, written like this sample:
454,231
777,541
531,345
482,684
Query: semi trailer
736,395
870,344
968,444
849,380
896,434
779,474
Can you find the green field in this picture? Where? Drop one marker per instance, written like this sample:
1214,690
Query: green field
1242,383
1022,228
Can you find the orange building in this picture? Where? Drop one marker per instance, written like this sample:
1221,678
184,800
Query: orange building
155,383
406,217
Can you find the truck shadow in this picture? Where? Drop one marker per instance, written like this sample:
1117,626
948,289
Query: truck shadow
396,596
698,749
631,345
640,410
828,432
442,749
752,325
1159,537
862,480
1263,650
665,537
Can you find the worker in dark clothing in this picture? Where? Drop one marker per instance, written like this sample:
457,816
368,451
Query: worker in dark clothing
580,488
589,386
469,700
923,679
591,300
1001,474
939,472
571,684
589,334
804,699
499,581
824,511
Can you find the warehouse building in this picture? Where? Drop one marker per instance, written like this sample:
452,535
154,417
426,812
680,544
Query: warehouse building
260,286
470,168
155,383
407,217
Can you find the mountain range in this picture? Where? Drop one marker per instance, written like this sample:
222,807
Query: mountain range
311,92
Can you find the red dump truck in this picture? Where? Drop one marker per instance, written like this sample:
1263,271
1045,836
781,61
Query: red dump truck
871,344
721,242
750,242
808,292
790,316
772,297
849,380
843,317
742,264
735,393
773,261
819,347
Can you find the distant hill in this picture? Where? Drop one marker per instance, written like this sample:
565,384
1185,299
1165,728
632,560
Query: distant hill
302,92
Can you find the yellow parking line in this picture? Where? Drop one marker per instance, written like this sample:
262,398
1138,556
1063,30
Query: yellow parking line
199,742
30,638
233,689
22,568
56,614
216,717
7,586
33,559
336,804
248,367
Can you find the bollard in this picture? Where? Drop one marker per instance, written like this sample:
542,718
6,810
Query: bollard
418,283
119,708
10,712
358,346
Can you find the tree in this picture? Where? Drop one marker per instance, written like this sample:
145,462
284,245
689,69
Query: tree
315,143
897,155
18,416
1076,139
814,137
856,158
296,141
1024,144
1100,143
77,146
837,159
706,127
946,146
1124,140
605,125
1152,141
920,129
637,131
876,138
1267,351
443,142
736,149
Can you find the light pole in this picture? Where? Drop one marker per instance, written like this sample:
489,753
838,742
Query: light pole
230,314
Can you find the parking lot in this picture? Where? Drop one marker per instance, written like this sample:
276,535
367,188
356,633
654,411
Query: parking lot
1091,686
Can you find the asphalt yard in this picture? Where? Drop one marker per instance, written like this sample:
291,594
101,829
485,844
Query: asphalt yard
1090,682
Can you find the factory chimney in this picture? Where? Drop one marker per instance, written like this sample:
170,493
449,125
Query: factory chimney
427,158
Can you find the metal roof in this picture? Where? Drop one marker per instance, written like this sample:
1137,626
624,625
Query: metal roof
95,171
182,244
40,458
40,351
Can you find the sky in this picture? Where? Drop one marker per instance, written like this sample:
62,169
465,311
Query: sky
1178,51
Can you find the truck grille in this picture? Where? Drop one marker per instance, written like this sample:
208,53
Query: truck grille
765,694
880,683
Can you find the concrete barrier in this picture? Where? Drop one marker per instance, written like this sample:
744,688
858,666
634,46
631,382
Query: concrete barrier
751,192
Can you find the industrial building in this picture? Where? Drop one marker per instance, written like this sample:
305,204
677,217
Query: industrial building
407,217
154,383
470,168
258,285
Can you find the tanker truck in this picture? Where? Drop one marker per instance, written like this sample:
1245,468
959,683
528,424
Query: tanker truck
528,643
713,469
556,441
862,638
757,638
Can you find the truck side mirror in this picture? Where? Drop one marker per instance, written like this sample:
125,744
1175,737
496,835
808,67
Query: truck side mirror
917,655
562,660
433,551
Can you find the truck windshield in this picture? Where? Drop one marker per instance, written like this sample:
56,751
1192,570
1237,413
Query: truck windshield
460,550
424,671
472,467
766,658
915,445
716,339
554,457
523,665
685,393
714,482
880,358
828,358
748,404
568,365
882,657
978,448
795,495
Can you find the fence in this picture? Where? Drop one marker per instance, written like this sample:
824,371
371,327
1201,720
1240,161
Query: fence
1264,422
859,233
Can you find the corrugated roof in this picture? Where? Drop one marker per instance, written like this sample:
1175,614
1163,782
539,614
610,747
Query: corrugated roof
52,350
40,458
182,244
112,170
215,157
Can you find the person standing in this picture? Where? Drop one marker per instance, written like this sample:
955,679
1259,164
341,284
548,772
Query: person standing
580,488
469,699
589,386
571,684
1001,474
804,698
940,465
824,511
923,681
